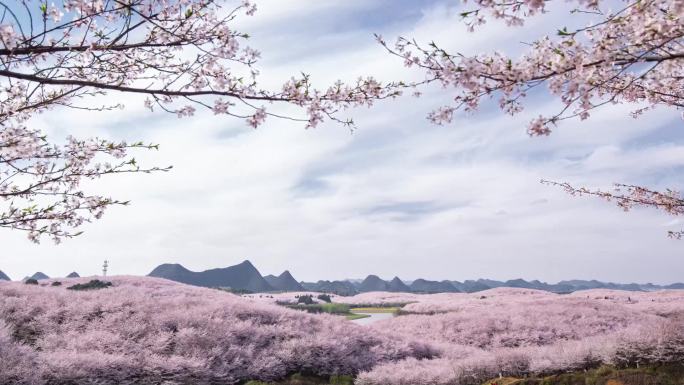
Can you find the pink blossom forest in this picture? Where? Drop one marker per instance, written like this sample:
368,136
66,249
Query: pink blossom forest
476,148
149,330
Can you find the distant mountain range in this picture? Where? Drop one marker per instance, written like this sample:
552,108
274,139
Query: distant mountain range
245,276
37,276
337,287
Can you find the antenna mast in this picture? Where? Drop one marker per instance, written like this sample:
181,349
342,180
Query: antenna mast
104,268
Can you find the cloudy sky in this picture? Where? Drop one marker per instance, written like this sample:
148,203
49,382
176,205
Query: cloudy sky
399,196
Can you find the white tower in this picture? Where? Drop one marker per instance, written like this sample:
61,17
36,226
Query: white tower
104,268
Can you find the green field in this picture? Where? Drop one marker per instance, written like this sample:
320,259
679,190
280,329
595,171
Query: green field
331,308
374,310
343,309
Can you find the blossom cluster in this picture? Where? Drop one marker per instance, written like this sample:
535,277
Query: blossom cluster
41,183
629,196
626,52
183,54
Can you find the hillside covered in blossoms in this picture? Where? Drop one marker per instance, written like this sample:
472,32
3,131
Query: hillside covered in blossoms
146,330
514,332
149,330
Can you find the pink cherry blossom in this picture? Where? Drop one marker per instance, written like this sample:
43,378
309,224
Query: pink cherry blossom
184,55
626,52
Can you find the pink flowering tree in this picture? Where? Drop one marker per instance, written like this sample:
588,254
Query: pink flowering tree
633,54
183,55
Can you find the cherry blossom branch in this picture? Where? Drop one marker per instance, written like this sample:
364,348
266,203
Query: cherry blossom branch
634,55
587,68
629,196
182,54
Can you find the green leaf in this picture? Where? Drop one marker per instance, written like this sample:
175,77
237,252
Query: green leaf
564,32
